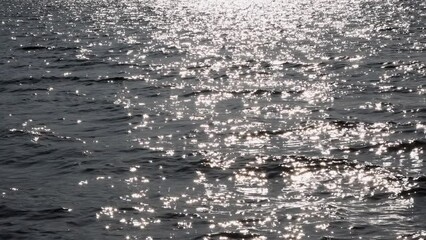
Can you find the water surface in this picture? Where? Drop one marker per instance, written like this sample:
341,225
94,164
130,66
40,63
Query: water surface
260,119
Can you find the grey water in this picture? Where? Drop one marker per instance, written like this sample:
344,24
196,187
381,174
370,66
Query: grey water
212,119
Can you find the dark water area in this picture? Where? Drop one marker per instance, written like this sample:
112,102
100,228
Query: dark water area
260,119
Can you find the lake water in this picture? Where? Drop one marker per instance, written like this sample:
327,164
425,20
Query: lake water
212,119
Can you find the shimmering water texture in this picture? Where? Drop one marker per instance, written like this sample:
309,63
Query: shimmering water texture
186,119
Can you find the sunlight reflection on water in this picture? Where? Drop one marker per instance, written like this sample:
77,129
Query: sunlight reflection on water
261,86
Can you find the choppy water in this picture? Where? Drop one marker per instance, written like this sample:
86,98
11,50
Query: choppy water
186,119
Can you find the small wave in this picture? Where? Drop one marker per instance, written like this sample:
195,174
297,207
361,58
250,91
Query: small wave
7,212
256,92
42,214
415,191
40,47
276,166
32,48
82,64
230,235
397,146
44,133
345,124
406,146
419,190
178,215
396,89
51,213
33,80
